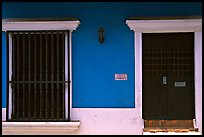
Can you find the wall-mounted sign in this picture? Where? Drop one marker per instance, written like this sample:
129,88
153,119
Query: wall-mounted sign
120,76
180,84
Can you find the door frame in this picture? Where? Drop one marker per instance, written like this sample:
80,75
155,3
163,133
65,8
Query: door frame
162,25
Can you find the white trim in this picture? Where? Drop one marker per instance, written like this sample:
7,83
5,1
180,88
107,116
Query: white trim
37,128
39,25
10,77
198,80
3,114
66,75
138,74
70,70
160,26
153,26
39,124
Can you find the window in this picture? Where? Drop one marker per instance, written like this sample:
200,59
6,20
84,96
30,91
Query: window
38,64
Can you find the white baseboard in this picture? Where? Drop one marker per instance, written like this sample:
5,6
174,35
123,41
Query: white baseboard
3,114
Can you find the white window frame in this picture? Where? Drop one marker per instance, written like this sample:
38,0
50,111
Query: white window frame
140,26
25,25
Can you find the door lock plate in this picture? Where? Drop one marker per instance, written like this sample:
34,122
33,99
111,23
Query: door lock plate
164,80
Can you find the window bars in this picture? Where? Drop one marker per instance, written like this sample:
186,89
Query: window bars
38,76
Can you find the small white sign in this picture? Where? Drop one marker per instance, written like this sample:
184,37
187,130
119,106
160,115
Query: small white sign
180,84
120,76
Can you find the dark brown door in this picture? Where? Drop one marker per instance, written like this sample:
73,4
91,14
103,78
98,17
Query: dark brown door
168,75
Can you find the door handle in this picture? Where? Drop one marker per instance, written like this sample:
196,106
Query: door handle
164,80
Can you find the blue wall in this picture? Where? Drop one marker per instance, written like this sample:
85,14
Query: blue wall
4,70
94,65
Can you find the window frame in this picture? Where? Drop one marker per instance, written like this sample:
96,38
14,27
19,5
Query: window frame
33,24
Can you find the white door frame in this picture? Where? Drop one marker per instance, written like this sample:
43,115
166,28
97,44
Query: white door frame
162,26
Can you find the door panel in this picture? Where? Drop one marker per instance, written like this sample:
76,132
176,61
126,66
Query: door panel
168,55
180,69
154,68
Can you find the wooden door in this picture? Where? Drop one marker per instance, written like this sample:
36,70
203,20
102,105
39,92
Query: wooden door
168,76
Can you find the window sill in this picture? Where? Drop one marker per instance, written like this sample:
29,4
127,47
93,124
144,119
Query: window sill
39,127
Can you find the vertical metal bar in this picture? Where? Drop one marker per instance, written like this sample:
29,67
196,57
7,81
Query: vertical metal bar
18,76
63,73
41,71
66,74
35,76
58,99
46,76
23,91
29,75
52,76
13,77
9,40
